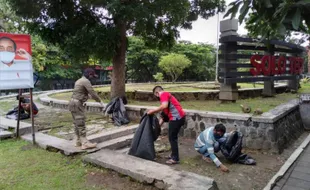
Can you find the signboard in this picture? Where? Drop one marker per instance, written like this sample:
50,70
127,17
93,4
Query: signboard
270,65
16,71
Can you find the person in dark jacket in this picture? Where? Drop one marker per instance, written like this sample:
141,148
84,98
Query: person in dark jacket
172,109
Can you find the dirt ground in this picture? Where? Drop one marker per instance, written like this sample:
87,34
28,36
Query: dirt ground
114,181
240,177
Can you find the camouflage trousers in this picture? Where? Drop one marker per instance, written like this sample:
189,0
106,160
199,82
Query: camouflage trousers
78,114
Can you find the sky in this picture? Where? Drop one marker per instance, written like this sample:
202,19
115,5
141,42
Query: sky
206,30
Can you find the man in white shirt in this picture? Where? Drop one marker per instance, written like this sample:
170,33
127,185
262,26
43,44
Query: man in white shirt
16,73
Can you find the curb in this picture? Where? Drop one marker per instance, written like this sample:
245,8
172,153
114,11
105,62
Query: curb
290,161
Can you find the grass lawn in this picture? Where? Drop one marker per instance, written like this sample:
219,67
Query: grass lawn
263,103
24,167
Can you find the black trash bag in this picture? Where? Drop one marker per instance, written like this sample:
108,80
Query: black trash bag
117,108
246,160
142,145
232,150
13,114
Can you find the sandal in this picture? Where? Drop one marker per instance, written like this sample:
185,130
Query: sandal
172,162
168,157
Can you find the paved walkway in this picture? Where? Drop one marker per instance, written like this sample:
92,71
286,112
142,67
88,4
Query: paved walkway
298,176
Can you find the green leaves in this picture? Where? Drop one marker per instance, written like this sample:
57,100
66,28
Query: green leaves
296,19
174,64
244,10
273,19
267,4
90,28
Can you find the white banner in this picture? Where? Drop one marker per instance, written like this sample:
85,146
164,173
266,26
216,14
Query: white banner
16,71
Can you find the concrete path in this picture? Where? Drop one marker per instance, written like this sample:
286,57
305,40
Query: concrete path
298,176
162,176
9,124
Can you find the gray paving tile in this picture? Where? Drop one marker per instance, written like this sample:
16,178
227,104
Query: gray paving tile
300,175
304,169
281,182
276,188
288,187
303,164
298,183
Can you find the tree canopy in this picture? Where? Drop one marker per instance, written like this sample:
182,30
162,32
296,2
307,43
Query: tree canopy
273,19
100,28
142,61
174,65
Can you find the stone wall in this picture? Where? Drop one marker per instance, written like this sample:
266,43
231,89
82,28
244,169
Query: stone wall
199,95
273,130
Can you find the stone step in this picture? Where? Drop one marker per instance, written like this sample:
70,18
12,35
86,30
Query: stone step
49,142
68,148
10,124
114,144
162,176
123,150
5,134
112,134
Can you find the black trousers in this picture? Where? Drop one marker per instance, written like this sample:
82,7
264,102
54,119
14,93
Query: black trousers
174,129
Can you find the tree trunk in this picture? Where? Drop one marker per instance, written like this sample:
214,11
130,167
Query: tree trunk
118,73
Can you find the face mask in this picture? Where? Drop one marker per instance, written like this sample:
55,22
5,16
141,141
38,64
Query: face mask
217,136
7,57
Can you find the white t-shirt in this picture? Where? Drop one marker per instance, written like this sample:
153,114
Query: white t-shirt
18,76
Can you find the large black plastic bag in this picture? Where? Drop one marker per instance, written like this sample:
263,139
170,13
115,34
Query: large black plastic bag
142,145
232,150
13,114
117,108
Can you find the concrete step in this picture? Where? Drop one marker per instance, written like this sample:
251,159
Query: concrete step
123,150
114,144
10,124
68,148
162,176
49,142
5,134
112,134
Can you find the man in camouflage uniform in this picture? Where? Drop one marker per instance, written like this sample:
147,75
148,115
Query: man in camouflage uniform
82,91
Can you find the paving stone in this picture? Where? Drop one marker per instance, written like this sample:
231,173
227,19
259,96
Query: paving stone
300,175
49,142
276,188
163,176
5,134
303,164
112,134
288,187
298,183
281,182
305,170
24,128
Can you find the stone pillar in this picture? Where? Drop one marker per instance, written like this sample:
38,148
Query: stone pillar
293,84
308,53
228,92
269,89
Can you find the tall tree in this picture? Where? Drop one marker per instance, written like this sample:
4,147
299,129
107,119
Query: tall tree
101,27
202,57
273,19
174,65
142,61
